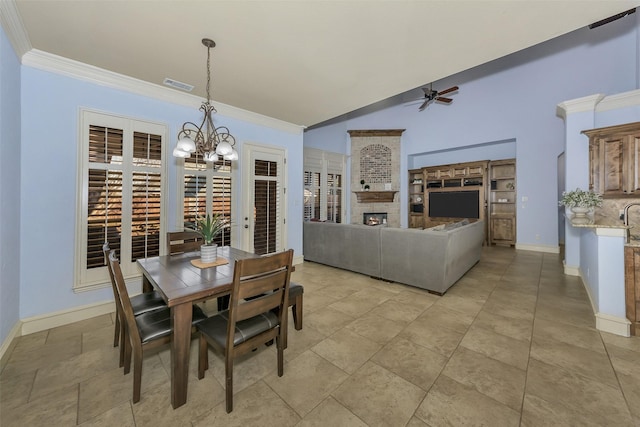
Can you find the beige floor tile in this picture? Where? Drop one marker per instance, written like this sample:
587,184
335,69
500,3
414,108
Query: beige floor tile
15,390
397,312
378,396
414,297
101,338
416,422
433,336
520,329
331,413
556,393
502,382
121,416
327,321
442,315
413,362
308,380
55,409
72,371
256,405
347,350
586,338
301,341
626,364
505,349
63,333
376,328
454,404
111,388
628,343
501,308
314,301
358,303
31,357
589,363
463,305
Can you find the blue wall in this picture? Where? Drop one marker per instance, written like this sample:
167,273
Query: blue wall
510,99
9,187
50,113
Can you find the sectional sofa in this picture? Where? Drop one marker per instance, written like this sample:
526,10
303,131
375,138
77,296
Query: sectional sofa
432,259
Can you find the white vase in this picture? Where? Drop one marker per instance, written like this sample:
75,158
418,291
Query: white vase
208,253
580,211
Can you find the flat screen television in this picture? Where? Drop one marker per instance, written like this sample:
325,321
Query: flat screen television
454,204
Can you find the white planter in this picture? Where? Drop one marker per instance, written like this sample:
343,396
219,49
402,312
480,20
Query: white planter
580,211
208,253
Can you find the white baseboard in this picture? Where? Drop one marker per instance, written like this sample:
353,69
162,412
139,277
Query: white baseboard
613,325
538,248
298,259
43,322
9,343
570,270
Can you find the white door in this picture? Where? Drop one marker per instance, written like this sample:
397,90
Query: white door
264,203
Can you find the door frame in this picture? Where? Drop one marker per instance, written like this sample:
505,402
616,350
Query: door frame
248,149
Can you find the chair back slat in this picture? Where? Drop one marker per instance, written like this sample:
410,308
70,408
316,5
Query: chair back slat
123,294
261,284
183,241
259,305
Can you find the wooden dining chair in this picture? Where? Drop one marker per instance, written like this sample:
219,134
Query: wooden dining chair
146,331
141,303
183,241
257,314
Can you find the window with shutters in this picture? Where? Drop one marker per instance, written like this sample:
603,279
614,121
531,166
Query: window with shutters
266,204
206,189
323,180
120,194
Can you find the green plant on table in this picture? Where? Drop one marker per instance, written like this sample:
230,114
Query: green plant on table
580,198
211,226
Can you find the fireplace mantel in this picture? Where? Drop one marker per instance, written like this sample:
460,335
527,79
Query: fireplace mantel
375,196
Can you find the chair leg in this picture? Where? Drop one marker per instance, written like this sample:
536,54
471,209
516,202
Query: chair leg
228,388
116,332
297,312
203,357
127,354
123,341
137,376
281,345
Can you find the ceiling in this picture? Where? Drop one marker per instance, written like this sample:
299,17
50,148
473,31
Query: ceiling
300,61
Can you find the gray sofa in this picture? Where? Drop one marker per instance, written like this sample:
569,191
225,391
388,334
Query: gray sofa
430,259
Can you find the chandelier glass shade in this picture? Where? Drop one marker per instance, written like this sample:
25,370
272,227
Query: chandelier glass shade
210,142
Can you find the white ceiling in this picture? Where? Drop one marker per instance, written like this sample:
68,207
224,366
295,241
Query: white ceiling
299,61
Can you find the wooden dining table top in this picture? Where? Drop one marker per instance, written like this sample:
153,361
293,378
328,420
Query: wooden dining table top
179,281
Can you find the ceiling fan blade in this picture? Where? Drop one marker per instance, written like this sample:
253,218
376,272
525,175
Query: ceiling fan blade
445,100
451,89
424,105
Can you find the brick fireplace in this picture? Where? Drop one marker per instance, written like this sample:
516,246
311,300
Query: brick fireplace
375,159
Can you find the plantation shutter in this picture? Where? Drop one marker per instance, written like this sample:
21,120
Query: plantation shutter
266,201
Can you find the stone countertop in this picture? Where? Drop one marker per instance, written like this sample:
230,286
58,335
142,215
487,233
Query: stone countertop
607,225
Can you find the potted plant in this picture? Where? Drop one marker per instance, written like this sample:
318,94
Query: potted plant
366,187
209,227
362,184
580,201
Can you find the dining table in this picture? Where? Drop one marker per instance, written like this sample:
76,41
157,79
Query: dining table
182,283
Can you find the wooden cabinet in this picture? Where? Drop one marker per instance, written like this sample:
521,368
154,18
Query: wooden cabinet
614,160
416,198
632,287
502,202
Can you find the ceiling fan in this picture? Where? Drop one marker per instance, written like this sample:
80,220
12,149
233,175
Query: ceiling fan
431,95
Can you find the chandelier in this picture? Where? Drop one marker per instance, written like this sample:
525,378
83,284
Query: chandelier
206,140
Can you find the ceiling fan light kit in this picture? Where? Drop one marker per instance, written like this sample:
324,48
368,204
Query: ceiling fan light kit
210,142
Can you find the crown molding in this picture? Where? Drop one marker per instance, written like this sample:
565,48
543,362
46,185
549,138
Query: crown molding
14,27
375,132
578,105
620,100
68,67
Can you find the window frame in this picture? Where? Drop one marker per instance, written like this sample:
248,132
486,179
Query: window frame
325,163
93,278
210,172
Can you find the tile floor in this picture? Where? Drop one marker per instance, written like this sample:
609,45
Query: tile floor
513,343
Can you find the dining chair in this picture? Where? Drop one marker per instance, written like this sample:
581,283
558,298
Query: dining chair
141,303
183,241
146,331
257,314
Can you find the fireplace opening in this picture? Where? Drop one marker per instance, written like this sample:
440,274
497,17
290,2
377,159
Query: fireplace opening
374,218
